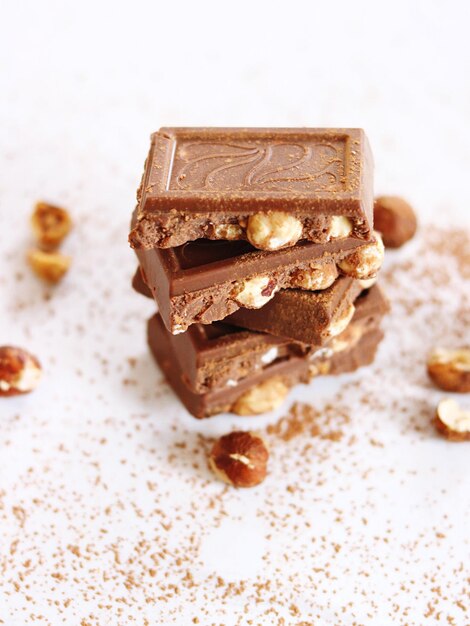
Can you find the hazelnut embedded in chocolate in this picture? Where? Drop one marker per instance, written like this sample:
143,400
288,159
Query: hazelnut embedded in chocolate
273,230
262,398
255,292
366,261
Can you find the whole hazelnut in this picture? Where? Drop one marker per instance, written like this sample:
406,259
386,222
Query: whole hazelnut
20,371
395,219
240,459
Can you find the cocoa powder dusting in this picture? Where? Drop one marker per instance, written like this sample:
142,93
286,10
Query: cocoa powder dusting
110,514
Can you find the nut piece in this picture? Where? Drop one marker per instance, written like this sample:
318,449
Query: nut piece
272,231
270,355
240,459
347,339
51,224
368,282
395,219
256,292
20,372
50,266
450,369
341,323
230,232
261,398
314,278
452,421
365,262
340,227
322,368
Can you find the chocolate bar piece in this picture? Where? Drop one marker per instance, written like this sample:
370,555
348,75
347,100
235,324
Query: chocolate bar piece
311,317
219,355
273,187
204,281
370,307
289,371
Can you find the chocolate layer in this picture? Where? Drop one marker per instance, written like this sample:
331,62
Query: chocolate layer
199,180
201,281
291,371
219,355
311,317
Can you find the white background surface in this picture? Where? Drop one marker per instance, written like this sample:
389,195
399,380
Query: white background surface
82,85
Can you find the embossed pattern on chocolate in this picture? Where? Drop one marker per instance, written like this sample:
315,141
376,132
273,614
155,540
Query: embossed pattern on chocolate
207,182
251,165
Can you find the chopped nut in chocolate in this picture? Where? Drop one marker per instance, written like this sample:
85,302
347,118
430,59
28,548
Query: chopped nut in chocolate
365,262
262,398
273,231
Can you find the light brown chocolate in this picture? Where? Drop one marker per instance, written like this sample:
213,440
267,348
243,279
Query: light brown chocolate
208,182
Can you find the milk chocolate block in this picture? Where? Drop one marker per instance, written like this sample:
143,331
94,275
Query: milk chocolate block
282,374
204,281
370,307
219,355
272,187
311,317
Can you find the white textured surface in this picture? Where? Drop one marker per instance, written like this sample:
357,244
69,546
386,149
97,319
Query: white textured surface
91,476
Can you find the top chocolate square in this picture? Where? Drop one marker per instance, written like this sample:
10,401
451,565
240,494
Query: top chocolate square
314,184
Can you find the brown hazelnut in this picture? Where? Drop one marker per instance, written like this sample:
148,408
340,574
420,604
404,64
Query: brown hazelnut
452,421
240,459
51,224
50,266
450,369
395,219
20,371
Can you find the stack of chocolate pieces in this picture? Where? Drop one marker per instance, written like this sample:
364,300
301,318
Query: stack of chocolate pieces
258,247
